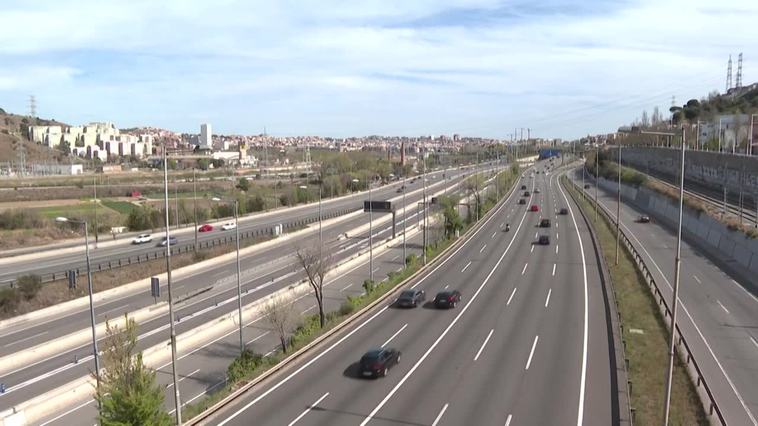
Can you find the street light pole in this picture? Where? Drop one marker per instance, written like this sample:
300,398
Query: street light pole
194,203
405,214
423,176
370,233
177,398
677,267
618,209
597,176
239,281
94,181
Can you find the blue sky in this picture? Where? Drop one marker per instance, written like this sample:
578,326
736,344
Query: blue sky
564,68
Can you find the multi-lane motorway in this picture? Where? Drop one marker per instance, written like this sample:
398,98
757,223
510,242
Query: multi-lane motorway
58,261
527,345
718,316
263,272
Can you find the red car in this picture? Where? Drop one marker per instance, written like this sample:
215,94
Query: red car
535,208
205,228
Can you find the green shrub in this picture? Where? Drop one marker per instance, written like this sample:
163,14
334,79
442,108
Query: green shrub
347,308
29,286
368,286
8,299
244,366
411,259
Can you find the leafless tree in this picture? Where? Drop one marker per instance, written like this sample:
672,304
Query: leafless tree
316,265
279,313
473,186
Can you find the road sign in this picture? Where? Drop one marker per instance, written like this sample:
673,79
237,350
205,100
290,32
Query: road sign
155,287
71,279
377,206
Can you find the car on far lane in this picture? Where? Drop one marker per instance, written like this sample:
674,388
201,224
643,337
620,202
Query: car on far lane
411,298
205,228
447,299
228,226
521,201
544,240
644,219
377,362
142,238
526,193
400,190
563,211
545,223
536,190
523,187
172,240
534,208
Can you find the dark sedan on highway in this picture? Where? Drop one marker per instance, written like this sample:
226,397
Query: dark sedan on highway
447,299
411,298
377,362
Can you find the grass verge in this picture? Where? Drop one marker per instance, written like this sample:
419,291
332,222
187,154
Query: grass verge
646,337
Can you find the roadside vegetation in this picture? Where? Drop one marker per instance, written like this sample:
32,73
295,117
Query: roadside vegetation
646,337
296,332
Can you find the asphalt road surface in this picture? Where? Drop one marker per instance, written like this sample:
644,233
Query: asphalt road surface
527,345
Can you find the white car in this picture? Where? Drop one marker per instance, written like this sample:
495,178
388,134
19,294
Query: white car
228,226
142,238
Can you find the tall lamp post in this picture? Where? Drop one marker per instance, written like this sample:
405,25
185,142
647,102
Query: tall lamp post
172,329
320,234
95,353
677,264
239,274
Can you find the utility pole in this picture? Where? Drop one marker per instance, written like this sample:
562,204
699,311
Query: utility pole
675,303
370,232
597,176
405,213
239,273
194,202
423,175
94,185
177,398
618,209
176,203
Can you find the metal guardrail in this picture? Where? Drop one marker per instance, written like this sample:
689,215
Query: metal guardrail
161,252
663,305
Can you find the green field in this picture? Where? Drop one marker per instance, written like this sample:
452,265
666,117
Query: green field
123,207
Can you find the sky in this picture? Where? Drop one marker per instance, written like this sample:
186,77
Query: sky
562,68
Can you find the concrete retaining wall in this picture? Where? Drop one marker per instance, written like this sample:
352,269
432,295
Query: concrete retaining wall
699,229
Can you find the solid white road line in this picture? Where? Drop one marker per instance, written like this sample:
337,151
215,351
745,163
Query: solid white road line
554,265
394,335
745,290
524,270
531,354
466,267
67,413
508,420
583,381
113,309
483,247
310,407
722,306
697,279
513,293
483,344
441,336
182,378
547,301
25,339
439,416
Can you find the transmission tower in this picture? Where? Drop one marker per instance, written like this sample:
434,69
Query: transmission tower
32,106
739,71
729,74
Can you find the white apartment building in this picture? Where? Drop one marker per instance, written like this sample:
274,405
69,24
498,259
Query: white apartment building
206,136
95,140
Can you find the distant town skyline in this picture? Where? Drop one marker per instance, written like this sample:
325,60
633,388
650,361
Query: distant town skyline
564,68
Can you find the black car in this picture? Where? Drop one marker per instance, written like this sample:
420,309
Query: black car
411,298
545,223
163,242
447,299
644,219
544,240
586,186
523,187
521,201
564,211
377,362
526,193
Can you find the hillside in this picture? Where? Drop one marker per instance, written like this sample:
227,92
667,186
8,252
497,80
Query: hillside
13,133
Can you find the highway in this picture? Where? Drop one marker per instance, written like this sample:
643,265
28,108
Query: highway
59,261
718,316
527,345
263,272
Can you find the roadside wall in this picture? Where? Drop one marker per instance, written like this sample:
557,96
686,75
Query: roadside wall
710,169
732,247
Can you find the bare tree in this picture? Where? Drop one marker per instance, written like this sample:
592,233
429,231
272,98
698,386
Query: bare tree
279,313
473,187
316,265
